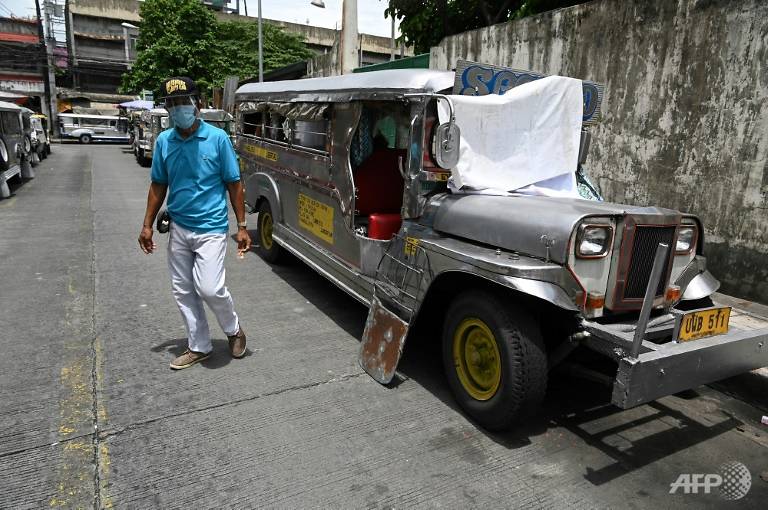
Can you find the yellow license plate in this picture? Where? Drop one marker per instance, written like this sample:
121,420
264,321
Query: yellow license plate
704,323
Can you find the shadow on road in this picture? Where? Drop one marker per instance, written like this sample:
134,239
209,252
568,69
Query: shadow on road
581,407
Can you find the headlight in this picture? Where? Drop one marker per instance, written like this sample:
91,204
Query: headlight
686,240
593,241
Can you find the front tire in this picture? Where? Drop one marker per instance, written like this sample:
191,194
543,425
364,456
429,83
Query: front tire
85,139
494,359
268,248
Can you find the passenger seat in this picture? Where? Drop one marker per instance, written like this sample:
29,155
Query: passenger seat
379,187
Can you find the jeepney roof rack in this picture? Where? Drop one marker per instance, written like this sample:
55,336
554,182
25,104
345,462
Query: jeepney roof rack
386,83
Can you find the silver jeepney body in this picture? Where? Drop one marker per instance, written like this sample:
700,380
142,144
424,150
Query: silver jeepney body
524,244
153,122
219,118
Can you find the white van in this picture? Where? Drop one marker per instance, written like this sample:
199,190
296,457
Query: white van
93,128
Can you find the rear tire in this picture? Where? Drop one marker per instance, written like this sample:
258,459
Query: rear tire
85,139
494,359
268,249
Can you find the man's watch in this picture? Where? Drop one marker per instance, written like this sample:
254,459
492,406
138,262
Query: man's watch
242,224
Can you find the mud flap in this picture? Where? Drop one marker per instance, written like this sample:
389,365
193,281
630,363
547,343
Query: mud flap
383,341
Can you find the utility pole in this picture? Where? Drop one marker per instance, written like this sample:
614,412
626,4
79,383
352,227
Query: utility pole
392,44
349,37
45,104
50,78
261,50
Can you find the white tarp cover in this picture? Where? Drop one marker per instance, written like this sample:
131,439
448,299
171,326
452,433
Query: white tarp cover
526,140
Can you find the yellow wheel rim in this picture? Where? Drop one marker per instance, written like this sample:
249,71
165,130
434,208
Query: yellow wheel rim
477,359
266,230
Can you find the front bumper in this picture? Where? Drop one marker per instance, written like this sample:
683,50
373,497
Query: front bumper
664,368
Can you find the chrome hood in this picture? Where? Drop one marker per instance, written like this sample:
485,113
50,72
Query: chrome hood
518,223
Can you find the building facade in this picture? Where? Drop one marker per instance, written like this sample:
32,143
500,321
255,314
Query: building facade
101,43
22,64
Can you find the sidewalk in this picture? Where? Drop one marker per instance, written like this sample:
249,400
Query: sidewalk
751,387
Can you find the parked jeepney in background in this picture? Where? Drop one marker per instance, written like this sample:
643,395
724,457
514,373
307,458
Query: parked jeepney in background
93,128
30,135
40,125
350,175
15,147
134,119
219,118
152,123
11,139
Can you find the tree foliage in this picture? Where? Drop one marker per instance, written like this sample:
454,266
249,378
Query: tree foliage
424,23
184,38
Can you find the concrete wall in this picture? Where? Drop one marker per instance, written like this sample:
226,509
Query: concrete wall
18,26
685,115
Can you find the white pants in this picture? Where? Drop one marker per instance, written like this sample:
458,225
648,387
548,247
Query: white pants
196,263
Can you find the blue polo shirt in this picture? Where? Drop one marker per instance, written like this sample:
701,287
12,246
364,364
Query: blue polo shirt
196,170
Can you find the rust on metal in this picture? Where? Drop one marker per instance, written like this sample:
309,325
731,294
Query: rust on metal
383,341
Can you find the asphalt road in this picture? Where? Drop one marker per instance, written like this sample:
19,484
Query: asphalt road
93,417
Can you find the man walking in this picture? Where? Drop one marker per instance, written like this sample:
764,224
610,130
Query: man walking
195,164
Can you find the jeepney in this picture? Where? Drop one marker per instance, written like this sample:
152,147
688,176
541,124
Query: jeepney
350,175
12,140
30,136
40,125
219,118
134,118
152,123
93,128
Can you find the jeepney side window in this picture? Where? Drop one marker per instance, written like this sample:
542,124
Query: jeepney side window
252,123
310,126
275,130
311,134
10,123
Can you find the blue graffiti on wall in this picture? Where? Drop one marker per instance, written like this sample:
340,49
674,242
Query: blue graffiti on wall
477,80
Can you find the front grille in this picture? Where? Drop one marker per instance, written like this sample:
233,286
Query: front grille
646,241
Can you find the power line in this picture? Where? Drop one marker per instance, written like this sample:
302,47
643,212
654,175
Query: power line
6,9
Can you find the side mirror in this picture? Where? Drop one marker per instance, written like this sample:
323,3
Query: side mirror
445,145
446,139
